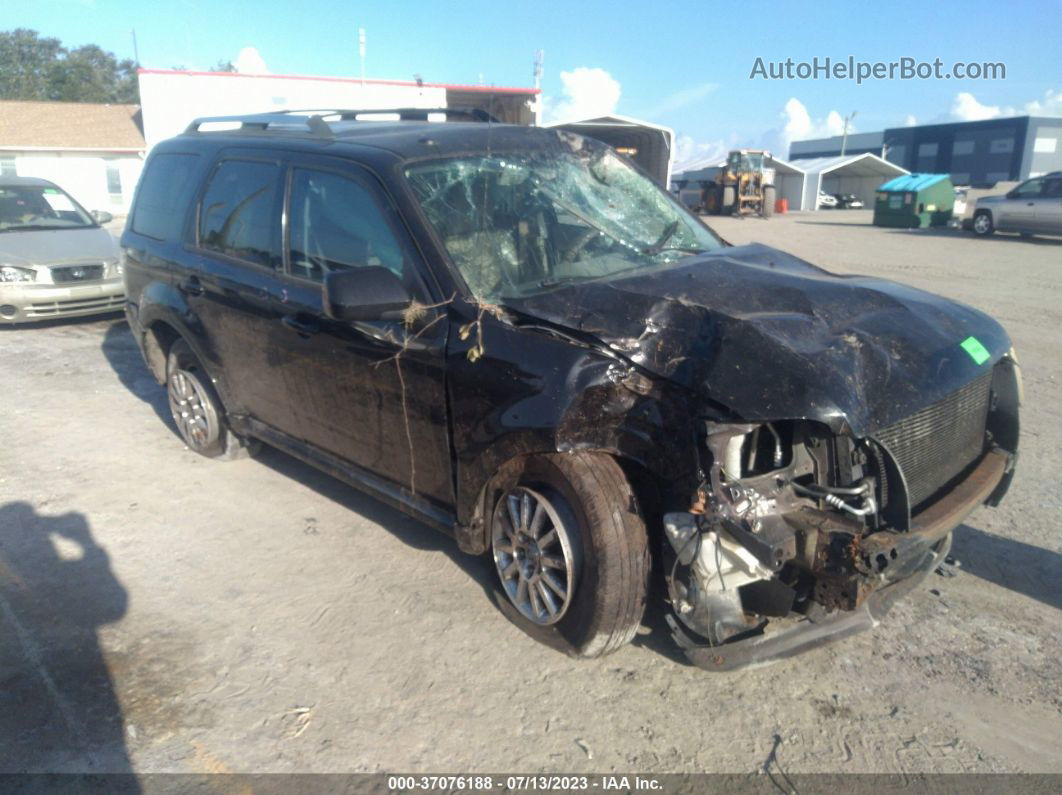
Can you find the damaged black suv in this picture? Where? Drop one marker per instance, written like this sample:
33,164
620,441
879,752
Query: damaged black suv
517,337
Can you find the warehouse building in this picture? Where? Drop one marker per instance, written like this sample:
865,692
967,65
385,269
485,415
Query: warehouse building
800,182
648,145
972,153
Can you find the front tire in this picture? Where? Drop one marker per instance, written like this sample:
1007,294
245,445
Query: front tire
767,210
571,551
196,409
982,223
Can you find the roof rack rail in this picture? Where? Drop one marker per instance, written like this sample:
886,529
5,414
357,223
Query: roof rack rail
465,113
315,121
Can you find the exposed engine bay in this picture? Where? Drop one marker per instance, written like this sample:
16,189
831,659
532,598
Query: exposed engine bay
793,523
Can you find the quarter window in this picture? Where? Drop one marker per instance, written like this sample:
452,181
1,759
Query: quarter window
165,190
335,224
239,214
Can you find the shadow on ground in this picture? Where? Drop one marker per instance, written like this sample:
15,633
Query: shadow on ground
124,357
58,709
1015,565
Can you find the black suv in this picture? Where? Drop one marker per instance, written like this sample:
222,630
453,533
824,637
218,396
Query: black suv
517,337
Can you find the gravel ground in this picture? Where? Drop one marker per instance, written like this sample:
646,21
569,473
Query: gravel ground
162,612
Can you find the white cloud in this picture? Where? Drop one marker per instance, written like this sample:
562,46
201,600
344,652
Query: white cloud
1051,105
965,107
910,121
586,92
799,125
250,62
691,153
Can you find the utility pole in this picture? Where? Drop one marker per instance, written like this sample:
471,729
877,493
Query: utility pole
844,139
136,52
361,53
540,56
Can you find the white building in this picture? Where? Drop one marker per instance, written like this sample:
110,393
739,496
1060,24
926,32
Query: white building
172,99
94,152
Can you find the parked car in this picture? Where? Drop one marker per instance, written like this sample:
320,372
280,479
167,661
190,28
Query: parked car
827,200
55,258
515,336
1033,207
848,201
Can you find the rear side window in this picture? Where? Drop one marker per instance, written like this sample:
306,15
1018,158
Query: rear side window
240,212
165,190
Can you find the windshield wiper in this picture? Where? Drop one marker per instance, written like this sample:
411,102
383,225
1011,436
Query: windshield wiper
668,233
559,280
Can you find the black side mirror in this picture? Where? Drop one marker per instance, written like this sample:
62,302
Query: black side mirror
371,293
102,216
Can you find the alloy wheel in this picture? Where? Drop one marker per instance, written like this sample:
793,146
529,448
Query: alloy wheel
188,406
534,552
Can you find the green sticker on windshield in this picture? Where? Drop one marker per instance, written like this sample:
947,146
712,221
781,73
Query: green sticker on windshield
978,352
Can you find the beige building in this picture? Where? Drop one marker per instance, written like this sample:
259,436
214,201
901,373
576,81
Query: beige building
95,152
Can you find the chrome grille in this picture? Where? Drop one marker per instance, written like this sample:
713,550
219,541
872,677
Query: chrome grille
935,444
77,273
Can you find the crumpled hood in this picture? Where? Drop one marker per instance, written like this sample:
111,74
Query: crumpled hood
56,246
770,336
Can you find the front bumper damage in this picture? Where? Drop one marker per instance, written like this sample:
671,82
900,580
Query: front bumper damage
890,564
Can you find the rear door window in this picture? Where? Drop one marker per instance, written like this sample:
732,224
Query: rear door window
239,215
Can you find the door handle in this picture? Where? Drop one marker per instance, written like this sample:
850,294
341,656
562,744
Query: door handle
191,286
301,324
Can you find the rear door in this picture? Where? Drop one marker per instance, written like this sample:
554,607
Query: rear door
370,392
1049,207
236,280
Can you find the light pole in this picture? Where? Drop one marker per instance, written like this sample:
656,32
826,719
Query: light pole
844,138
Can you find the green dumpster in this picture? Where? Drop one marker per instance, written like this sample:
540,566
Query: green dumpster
914,200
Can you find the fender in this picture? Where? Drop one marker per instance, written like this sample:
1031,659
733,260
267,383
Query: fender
553,396
164,303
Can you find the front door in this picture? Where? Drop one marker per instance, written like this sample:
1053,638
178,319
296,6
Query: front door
370,392
1018,212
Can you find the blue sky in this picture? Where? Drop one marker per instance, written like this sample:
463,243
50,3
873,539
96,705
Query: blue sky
683,64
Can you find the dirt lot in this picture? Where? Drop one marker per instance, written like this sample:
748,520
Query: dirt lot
162,612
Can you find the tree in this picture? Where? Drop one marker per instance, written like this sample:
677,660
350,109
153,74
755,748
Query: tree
223,66
91,74
38,68
25,59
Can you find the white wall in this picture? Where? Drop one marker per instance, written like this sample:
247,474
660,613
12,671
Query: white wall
170,100
83,175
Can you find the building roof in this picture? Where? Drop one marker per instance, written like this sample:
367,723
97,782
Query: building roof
913,182
862,165
367,80
70,126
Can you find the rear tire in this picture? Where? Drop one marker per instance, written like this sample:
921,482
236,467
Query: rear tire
768,202
982,223
601,537
196,409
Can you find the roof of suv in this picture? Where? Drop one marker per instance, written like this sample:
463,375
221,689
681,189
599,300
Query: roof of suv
36,182
407,139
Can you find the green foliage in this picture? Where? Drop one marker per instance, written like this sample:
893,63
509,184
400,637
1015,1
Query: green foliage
36,68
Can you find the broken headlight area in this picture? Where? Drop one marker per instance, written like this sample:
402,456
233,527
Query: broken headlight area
790,523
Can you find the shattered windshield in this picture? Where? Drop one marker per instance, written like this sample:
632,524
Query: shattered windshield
29,207
516,224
